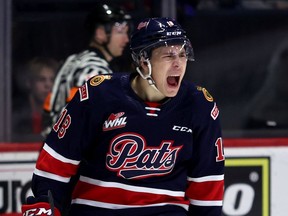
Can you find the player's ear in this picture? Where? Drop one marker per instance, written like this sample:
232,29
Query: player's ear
143,62
144,65
100,35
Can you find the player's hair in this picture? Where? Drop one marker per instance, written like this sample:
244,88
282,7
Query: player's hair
155,32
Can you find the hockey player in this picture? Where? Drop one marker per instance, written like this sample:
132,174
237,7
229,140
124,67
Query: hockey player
107,26
145,143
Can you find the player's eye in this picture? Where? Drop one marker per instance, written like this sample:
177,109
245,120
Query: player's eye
169,56
183,55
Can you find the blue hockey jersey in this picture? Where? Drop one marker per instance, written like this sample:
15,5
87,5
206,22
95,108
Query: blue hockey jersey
133,157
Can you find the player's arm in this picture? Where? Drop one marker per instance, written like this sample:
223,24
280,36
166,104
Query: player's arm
206,175
59,160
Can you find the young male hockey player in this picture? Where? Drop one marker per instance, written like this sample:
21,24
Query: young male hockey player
107,26
145,144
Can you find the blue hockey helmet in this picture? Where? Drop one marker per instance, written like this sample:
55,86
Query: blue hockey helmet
156,32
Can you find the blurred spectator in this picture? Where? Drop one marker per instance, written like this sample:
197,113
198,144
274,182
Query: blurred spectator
242,4
218,4
264,4
108,27
255,4
280,4
269,107
37,81
208,5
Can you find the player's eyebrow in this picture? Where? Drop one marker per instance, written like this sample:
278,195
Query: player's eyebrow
174,52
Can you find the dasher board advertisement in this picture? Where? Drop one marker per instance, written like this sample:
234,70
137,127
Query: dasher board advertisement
255,177
247,186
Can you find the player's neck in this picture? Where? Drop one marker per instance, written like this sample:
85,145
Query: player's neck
145,91
107,55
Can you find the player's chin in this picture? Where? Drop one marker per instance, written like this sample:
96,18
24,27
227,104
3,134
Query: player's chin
171,92
118,53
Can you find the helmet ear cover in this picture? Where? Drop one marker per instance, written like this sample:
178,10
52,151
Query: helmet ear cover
142,56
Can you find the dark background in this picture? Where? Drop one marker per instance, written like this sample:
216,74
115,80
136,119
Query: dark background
232,47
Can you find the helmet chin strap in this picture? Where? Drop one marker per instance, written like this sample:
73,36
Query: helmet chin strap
148,77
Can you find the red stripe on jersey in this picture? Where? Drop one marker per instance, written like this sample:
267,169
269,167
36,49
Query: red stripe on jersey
206,191
119,196
153,104
50,164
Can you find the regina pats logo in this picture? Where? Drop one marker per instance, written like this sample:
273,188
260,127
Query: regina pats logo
131,158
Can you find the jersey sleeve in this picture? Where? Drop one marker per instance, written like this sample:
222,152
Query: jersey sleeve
206,171
59,160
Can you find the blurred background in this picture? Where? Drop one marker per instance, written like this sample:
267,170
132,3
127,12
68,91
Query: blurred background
241,52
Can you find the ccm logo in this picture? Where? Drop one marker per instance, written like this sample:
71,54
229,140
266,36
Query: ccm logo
37,211
183,129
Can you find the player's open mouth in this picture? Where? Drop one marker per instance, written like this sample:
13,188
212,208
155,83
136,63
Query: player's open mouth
173,80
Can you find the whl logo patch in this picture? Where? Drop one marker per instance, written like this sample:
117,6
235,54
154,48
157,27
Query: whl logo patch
115,121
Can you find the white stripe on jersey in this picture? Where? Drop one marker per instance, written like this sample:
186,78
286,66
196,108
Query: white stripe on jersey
207,178
151,114
117,206
132,188
59,157
51,176
153,108
206,203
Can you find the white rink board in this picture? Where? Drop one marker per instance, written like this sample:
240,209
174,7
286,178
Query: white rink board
278,170
16,169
